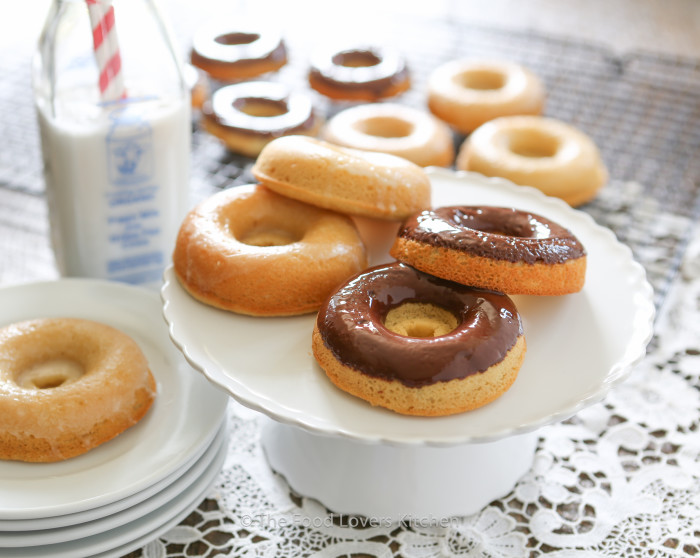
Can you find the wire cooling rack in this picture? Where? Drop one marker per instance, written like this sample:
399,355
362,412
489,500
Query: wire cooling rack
642,109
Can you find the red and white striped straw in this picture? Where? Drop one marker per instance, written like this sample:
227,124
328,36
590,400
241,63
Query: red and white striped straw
106,46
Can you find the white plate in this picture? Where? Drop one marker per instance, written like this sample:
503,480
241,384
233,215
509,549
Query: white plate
58,534
579,346
90,515
183,421
123,539
70,519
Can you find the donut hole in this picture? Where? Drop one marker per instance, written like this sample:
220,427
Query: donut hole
50,374
231,39
385,127
419,319
483,80
534,144
495,226
266,237
260,107
263,219
356,59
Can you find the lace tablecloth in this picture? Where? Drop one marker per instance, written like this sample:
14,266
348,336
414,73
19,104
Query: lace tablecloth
622,477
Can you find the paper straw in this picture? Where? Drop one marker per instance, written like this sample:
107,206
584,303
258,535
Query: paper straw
106,46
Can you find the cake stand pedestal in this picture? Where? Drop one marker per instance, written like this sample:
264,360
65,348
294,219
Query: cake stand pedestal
397,483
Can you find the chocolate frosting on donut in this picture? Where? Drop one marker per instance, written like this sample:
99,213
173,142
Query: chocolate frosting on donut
227,108
351,323
277,55
380,72
494,232
245,48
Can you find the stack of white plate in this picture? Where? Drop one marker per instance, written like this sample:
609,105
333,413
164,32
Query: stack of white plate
128,491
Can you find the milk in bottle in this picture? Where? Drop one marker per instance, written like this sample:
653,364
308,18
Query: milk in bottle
116,168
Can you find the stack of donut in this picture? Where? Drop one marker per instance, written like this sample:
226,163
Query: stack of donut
282,246
432,333
436,332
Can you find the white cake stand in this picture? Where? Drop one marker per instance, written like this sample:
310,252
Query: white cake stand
358,459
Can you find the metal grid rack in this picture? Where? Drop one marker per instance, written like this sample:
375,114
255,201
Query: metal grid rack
642,109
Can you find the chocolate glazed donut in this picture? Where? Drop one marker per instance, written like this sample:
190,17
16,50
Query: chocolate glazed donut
499,248
417,344
231,54
359,74
247,116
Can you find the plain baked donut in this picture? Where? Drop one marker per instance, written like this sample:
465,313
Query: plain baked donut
252,251
416,344
247,116
363,73
68,385
466,94
395,129
347,180
198,85
231,54
545,153
498,248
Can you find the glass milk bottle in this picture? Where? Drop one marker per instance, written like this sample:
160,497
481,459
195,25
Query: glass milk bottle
114,118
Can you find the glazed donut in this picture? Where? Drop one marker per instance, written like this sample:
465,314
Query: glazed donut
548,154
359,73
467,94
343,179
247,116
497,248
230,54
395,129
68,385
251,251
416,344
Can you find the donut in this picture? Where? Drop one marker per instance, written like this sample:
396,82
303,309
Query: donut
68,385
466,94
417,344
347,180
229,54
550,155
395,129
197,84
363,73
251,251
498,248
247,116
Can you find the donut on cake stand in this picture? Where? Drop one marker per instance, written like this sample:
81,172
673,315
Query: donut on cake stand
359,459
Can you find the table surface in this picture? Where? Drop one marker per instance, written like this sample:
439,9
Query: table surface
622,475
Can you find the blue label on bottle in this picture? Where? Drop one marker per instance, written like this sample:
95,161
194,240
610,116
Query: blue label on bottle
129,148
133,215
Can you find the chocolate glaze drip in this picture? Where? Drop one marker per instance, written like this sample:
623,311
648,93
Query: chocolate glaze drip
351,323
494,232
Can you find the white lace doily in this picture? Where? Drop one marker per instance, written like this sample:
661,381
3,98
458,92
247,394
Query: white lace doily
621,478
